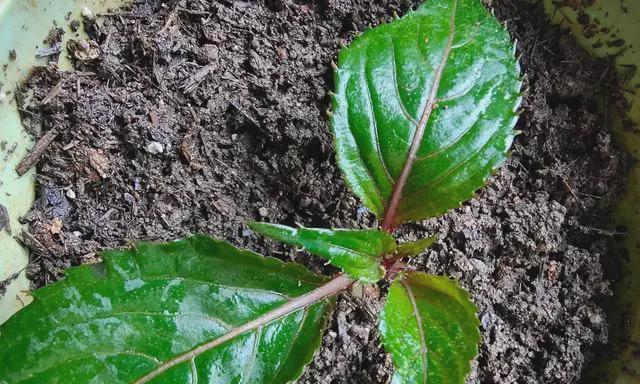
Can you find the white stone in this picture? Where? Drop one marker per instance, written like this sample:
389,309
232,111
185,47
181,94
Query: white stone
154,147
87,13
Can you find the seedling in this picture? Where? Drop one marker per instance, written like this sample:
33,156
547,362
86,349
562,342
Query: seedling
423,113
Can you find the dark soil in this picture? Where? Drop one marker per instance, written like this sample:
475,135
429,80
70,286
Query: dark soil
199,115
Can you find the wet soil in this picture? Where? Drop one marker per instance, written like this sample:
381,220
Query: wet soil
196,116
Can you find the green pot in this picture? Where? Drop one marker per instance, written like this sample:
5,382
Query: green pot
612,30
23,26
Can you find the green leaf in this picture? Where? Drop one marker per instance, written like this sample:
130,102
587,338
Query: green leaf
414,248
358,252
180,312
429,325
424,109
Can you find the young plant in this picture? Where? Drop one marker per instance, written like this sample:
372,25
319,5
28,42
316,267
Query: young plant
423,113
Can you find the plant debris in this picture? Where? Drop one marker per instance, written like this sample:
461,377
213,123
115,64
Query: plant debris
83,50
38,149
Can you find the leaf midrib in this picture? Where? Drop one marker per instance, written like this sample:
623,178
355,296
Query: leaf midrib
418,317
363,254
228,327
388,222
316,296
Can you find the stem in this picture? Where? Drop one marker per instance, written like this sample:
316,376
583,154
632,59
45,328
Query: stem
332,288
394,266
387,223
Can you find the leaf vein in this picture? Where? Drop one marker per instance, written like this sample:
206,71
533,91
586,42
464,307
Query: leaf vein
25,374
215,319
357,252
374,119
254,352
312,298
230,287
473,36
359,153
423,343
194,371
455,140
451,171
394,63
304,319
465,91
391,209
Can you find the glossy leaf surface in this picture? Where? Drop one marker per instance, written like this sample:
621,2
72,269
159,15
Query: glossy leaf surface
429,325
358,252
424,109
142,309
414,248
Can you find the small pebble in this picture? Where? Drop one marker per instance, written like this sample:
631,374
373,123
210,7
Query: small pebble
154,147
485,320
361,210
70,194
595,318
264,212
87,13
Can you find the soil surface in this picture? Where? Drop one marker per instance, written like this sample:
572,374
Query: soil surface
196,116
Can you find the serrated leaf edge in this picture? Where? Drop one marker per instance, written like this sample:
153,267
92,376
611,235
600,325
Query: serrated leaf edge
335,102
464,294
